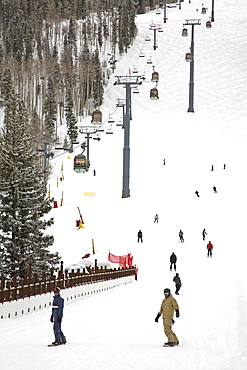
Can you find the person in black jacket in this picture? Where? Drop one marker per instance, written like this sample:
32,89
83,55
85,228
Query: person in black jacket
204,233
139,235
177,282
173,260
56,317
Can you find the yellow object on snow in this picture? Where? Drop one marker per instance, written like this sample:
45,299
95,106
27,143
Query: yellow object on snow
87,194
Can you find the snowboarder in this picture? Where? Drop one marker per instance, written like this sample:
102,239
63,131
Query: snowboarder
56,317
181,236
173,260
197,193
156,218
214,189
177,282
168,306
204,233
210,248
139,235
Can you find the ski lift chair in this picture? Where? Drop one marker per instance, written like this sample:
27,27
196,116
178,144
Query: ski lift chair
185,32
188,57
96,117
154,94
155,77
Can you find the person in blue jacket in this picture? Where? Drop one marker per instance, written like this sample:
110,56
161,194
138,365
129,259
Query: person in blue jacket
56,317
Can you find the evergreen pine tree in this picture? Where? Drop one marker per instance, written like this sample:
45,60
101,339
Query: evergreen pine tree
50,108
6,85
23,202
98,90
72,128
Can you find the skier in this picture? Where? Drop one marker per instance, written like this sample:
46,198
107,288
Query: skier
197,193
214,189
156,218
56,317
168,306
139,235
210,248
204,233
173,260
181,236
177,282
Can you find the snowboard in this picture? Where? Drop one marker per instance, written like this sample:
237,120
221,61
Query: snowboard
55,345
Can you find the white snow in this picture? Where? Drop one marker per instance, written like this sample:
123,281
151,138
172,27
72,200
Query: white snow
116,329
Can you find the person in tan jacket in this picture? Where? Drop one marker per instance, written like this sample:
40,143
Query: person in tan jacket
168,306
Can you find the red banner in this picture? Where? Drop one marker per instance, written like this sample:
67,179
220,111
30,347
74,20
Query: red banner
123,261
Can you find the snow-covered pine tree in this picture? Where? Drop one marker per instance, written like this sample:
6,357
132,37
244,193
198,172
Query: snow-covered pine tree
72,128
23,201
50,108
98,90
6,85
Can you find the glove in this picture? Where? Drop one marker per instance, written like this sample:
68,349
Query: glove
157,317
177,313
51,319
173,322
59,319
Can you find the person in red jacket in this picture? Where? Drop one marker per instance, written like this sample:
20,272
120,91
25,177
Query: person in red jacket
210,248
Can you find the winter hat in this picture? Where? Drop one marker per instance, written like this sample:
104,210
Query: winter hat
57,290
167,291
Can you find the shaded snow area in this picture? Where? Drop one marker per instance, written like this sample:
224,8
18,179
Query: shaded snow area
116,329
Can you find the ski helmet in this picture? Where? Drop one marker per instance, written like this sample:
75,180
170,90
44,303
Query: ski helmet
167,291
57,290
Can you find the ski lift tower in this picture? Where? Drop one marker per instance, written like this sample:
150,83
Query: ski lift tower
89,131
164,7
46,155
128,82
212,12
154,27
192,23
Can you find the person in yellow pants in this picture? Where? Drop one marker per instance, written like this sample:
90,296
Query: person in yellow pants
168,306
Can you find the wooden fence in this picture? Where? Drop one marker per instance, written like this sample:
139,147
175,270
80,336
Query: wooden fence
30,285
